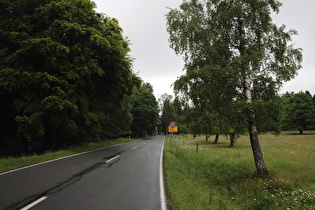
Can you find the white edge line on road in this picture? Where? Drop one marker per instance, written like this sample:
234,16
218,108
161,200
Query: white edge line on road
110,160
49,161
34,203
61,158
162,189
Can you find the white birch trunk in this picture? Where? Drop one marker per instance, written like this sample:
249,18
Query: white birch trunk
258,156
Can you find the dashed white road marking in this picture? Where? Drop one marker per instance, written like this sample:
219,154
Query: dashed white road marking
34,203
112,159
61,158
134,148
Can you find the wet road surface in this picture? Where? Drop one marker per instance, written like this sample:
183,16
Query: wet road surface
120,177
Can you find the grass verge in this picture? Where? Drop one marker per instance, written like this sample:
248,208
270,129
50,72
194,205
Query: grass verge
10,163
221,177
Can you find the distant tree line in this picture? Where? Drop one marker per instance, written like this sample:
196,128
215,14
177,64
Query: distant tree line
291,112
66,77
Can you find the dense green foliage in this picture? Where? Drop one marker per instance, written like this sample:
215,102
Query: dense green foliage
144,111
298,112
167,112
236,60
172,110
291,111
65,74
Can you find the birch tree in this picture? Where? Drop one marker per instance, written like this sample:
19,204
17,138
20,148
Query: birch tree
235,40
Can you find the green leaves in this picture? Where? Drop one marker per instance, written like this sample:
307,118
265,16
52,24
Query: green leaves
231,49
55,103
298,112
144,109
8,80
64,66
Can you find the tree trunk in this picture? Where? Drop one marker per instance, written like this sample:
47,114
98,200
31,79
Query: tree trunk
216,140
258,156
207,138
301,131
232,140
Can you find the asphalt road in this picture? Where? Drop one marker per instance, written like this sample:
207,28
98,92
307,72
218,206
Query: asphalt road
120,177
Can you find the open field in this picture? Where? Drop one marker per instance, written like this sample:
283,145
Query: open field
11,163
221,177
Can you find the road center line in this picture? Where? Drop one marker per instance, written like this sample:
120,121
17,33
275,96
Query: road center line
134,148
34,203
112,159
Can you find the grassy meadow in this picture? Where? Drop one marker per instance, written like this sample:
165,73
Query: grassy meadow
221,177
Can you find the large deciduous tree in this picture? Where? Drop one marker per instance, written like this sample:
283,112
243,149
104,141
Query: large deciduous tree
299,112
233,52
144,110
64,71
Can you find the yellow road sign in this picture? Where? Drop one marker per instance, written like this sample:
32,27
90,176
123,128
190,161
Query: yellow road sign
173,129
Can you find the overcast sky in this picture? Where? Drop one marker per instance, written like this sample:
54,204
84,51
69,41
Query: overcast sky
144,24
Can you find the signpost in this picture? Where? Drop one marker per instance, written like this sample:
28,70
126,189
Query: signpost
172,124
172,128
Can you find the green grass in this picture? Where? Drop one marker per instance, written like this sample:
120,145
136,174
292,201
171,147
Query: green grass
220,177
11,163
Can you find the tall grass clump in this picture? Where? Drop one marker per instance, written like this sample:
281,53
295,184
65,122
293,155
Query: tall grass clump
221,177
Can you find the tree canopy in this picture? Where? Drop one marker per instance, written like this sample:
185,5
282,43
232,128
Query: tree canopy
65,72
144,111
233,54
298,112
